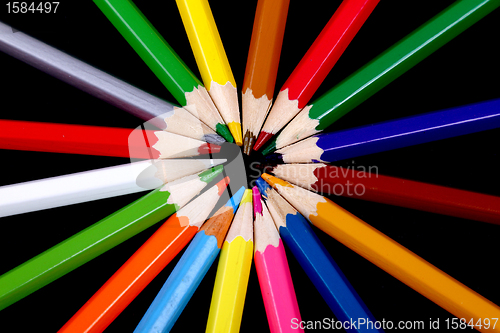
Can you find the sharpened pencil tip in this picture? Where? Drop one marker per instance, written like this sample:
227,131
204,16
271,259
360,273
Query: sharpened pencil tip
214,138
273,158
208,148
222,185
257,203
235,129
234,202
247,196
273,181
209,175
223,131
263,186
263,138
248,141
269,149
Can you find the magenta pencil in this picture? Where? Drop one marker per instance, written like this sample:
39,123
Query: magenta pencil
274,276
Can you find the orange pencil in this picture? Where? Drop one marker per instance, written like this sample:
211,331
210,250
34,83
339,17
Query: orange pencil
389,255
262,66
144,265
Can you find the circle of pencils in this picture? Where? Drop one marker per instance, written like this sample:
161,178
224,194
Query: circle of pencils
412,250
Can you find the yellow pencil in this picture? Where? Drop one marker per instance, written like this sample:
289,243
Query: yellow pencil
233,271
212,61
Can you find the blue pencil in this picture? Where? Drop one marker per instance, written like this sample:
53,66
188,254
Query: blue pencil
319,266
404,132
190,270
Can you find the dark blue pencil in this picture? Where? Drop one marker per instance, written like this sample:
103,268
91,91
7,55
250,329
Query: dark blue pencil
319,266
404,132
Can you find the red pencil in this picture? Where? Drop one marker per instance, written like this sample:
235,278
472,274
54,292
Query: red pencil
98,140
393,191
316,64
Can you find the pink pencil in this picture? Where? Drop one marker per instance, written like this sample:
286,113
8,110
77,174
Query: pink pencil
272,269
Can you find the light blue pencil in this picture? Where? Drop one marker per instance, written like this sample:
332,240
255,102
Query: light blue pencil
189,271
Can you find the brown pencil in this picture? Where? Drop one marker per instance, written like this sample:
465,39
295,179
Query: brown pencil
262,66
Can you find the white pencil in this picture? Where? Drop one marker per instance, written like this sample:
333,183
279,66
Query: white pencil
96,184
97,83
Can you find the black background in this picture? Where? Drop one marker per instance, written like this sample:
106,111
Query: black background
466,70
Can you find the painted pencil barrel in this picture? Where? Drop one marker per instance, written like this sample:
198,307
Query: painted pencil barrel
411,131
387,254
403,264
274,279
181,285
145,264
327,49
148,43
83,76
324,272
265,47
372,186
394,134
85,245
230,286
382,70
100,237
212,61
233,271
123,287
262,67
318,61
399,58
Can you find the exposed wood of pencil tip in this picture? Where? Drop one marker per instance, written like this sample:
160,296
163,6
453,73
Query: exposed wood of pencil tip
242,224
279,208
219,224
265,231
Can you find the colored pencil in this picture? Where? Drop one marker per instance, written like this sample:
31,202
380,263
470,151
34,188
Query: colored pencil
318,264
274,276
100,237
316,64
359,184
382,70
163,61
182,122
82,76
189,271
233,271
394,134
212,61
387,254
96,184
145,264
99,140
262,67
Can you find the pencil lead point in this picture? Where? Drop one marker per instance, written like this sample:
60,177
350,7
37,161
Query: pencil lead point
273,158
248,141
235,129
222,184
269,149
209,175
223,131
262,139
262,186
273,181
214,138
